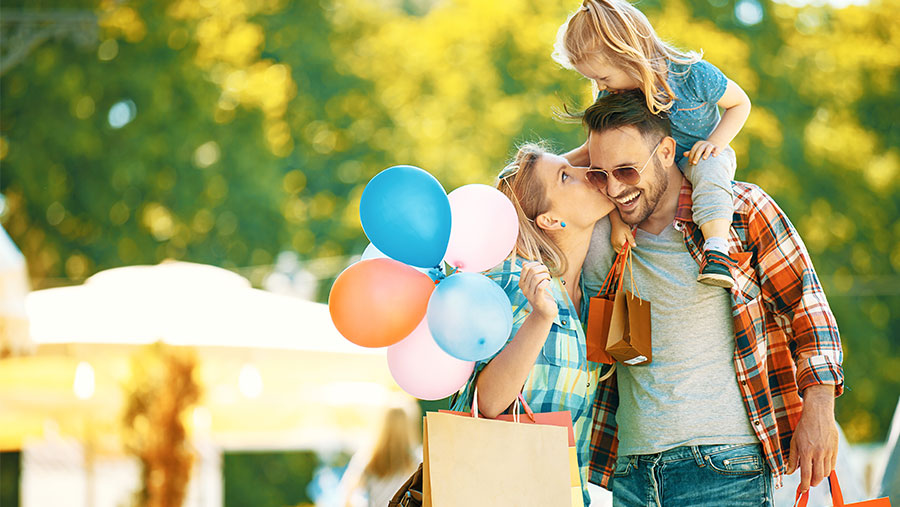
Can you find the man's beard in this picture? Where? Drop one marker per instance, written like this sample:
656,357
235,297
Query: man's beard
649,199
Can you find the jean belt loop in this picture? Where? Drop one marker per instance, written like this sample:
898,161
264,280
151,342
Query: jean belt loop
698,456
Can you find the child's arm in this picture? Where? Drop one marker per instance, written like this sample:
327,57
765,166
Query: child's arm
620,232
579,157
736,104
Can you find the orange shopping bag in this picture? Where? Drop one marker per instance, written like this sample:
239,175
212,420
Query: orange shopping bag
629,340
599,314
838,497
487,462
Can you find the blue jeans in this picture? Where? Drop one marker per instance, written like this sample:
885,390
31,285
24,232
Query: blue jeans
714,475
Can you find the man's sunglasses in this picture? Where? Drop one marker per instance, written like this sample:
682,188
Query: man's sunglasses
628,175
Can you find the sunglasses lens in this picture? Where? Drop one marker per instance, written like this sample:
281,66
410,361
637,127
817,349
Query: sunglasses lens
627,175
597,178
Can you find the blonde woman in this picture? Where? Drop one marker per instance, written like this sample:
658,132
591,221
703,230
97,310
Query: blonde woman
391,461
545,357
611,43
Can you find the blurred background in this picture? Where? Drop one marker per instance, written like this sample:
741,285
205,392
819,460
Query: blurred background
180,185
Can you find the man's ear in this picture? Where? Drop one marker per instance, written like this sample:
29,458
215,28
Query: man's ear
667,151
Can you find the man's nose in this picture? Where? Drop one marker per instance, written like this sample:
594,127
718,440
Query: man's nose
613,186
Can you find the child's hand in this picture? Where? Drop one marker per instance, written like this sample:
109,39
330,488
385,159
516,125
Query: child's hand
535,284
702,149
620,235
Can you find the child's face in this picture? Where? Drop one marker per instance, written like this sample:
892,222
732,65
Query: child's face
608,77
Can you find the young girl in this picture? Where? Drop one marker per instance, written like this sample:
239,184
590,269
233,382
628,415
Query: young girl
545,358
611,43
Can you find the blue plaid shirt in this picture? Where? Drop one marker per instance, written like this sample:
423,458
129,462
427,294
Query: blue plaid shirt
562,378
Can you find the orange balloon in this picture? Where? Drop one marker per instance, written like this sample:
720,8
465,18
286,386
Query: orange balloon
378,302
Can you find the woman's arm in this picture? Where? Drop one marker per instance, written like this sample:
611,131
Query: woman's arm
579,157
501,379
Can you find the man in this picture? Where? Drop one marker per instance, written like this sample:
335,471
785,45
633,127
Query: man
742,383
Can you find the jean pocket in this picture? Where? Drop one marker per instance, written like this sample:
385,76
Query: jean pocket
739,460
623,467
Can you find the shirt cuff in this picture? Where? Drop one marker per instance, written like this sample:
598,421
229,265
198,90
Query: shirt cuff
820,370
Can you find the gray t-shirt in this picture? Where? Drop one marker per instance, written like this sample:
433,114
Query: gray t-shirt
688,394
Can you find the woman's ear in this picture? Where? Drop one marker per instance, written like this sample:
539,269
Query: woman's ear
548,223
667,151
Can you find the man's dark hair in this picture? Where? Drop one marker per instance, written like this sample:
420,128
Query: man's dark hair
626,109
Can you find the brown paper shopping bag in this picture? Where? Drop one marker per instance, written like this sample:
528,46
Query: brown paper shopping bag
629,327
477,461
562,419
600,313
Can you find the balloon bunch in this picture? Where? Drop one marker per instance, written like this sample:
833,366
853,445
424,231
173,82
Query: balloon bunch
398,296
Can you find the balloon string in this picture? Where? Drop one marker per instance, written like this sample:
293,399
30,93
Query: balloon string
499,273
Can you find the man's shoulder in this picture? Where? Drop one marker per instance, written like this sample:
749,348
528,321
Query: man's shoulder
750,198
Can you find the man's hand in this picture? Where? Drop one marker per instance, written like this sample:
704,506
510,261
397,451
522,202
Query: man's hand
814,445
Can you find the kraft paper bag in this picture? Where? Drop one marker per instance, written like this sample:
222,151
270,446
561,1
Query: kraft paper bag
629,326
469,461
562,419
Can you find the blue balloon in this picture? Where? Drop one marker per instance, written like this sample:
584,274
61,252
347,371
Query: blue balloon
405,213
469,316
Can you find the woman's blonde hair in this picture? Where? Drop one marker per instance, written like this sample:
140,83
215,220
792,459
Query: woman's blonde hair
393,452
520,184
620,33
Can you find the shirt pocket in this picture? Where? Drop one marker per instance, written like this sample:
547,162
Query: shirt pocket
562,348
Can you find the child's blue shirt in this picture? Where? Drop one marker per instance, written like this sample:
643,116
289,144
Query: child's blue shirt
694,115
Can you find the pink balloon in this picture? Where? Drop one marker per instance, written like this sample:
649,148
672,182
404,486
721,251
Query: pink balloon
423,370
484,228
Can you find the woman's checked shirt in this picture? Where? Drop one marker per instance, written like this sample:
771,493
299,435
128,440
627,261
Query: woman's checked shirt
562,378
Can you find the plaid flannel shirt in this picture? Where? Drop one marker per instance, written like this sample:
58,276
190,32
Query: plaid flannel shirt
786,337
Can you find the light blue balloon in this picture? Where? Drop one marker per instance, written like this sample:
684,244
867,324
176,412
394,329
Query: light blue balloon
469,316
405,213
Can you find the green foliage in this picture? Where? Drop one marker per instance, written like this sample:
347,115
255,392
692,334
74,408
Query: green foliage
10,477
259,123
268,479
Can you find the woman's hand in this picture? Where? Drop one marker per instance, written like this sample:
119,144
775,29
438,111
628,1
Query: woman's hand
620,233
535,284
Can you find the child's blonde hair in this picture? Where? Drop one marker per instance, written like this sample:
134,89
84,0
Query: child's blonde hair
620,33
520,184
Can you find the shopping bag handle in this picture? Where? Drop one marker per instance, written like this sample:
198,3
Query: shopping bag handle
519,400
618,265
836,495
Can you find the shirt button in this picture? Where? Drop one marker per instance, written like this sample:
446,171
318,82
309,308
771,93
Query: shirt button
564,323
756,423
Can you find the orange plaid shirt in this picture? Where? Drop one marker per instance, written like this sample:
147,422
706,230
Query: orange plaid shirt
786,337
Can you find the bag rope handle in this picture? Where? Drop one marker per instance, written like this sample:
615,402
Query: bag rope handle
520,400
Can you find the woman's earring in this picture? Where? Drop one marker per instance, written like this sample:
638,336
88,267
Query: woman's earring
562,224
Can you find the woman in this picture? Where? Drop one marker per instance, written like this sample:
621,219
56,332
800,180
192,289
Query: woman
545,357
392,460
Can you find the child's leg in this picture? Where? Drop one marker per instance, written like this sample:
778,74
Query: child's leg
713,206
